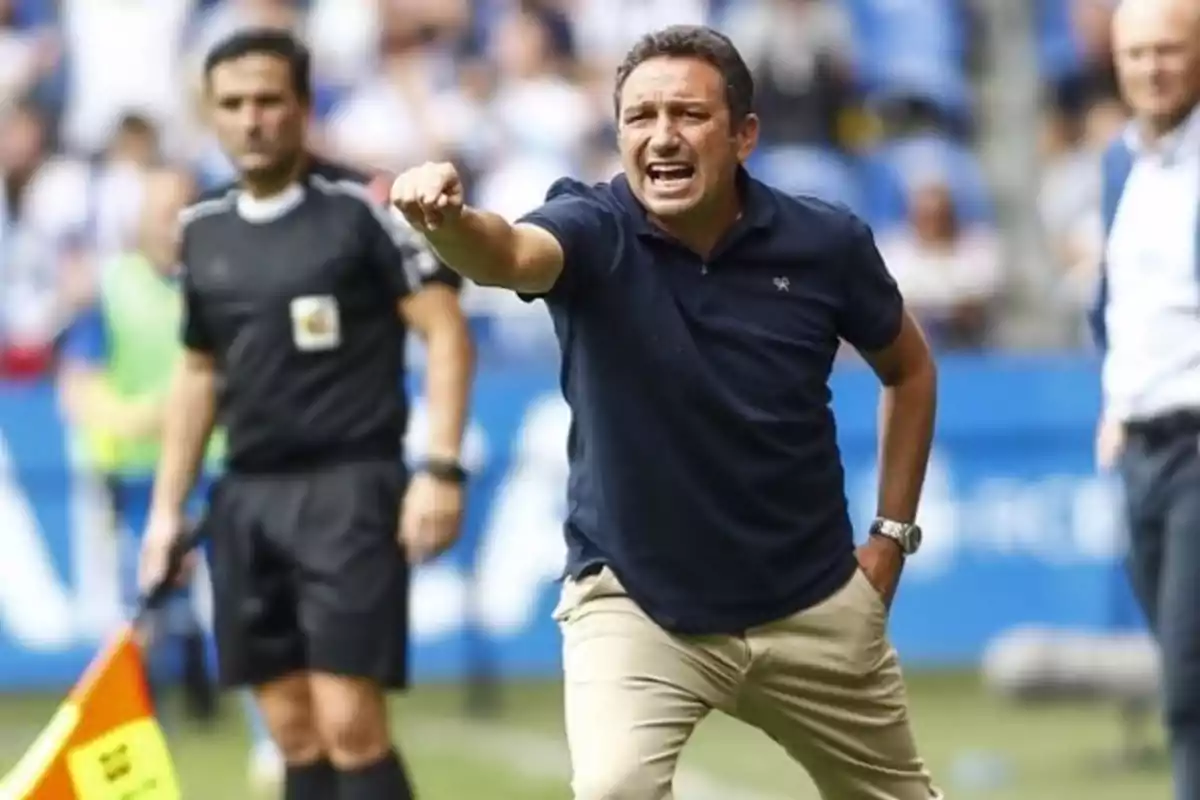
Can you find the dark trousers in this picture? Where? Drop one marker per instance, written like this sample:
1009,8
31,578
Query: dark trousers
1161,472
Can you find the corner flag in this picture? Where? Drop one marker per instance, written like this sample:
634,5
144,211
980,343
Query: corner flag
104,742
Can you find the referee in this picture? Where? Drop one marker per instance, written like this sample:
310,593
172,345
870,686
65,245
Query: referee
298,288
1148,323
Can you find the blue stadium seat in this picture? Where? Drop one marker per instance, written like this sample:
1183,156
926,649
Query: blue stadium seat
888,171
807,170
914,49
884,189
326,97
931,28
1058,49
931,79
34,13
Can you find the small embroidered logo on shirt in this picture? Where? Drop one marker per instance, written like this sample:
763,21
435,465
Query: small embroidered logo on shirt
783,284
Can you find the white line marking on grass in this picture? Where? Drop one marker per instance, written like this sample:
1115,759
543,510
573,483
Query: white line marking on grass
542,757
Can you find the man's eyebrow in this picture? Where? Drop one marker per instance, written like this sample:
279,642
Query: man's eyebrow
669,101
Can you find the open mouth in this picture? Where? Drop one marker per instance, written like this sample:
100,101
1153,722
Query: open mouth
670,174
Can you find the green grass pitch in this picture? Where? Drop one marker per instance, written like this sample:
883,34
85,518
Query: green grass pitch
1058,752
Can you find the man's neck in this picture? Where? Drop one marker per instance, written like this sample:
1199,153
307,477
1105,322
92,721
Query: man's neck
703,230
1152,130
267,186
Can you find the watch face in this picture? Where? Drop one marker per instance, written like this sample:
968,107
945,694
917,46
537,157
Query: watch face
906,535
914,539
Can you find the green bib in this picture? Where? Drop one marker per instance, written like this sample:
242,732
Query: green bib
142,314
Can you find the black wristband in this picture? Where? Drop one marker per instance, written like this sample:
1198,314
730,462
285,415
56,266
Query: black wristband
444,470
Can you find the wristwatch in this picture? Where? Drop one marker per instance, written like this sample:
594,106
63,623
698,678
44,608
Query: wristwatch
444,470
905,534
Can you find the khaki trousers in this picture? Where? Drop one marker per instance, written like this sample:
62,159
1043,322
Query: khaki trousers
824,683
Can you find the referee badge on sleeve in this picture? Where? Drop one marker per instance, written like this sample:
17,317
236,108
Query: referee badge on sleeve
315,323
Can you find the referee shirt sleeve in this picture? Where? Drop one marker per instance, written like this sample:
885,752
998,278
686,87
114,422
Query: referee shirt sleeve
195,334
871,308
396,251
443,276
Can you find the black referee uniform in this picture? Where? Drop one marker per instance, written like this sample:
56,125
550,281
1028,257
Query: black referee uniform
295,299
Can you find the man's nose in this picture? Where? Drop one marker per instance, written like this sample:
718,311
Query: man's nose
250,118
665,138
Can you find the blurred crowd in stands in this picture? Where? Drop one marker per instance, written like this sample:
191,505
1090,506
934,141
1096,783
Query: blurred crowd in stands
868,102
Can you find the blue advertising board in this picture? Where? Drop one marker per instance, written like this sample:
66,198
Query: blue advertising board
1019,527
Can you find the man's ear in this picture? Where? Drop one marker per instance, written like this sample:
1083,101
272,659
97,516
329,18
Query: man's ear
747,137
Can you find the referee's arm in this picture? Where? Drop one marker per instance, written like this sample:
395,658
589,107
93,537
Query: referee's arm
428,301
191,411
435,313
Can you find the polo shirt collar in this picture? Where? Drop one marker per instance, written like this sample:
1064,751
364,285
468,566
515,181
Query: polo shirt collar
758,207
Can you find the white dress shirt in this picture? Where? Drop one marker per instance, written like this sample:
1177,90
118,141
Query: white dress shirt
1152,365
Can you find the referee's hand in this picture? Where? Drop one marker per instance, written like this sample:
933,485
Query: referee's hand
1110,442
160,536
429,196
431,518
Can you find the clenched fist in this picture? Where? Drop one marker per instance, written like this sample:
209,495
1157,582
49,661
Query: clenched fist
429,196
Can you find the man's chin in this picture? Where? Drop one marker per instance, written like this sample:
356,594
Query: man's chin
260,167
668,208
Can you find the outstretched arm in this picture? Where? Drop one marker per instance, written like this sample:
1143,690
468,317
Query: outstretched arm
476,244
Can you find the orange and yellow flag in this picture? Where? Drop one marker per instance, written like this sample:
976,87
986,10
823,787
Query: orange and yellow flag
103,743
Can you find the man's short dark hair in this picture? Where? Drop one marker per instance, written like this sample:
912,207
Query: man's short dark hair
266,41
132,124
700,42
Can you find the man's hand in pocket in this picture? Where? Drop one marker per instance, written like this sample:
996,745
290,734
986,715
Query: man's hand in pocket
882,561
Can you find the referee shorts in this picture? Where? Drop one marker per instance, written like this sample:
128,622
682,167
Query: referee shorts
308,576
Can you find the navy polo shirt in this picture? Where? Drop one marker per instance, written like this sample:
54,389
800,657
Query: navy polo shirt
704,467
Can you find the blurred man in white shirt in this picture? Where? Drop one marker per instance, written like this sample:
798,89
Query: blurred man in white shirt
1147,319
